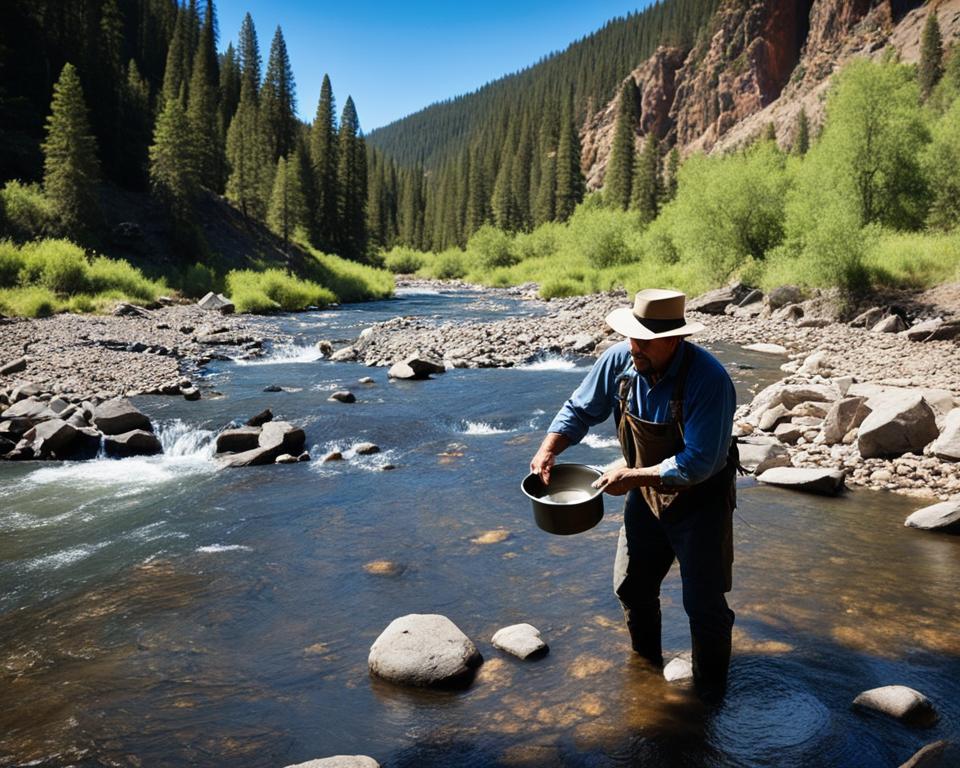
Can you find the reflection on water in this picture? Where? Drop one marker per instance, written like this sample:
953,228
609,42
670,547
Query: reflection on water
159,612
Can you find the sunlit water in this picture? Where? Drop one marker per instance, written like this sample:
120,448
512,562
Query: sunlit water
158,611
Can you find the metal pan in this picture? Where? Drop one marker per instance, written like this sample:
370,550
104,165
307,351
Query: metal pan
570,504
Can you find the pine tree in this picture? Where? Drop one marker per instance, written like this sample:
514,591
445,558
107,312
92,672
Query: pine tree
174,173
323,154
286,200
618,183
70,166
229,87
931,55
302,166
646,184
249,55
278,101
545,207
249,157
673,171
202,110
520,178
176,74
478,210
134,139
502,202
351,184
770,132
801,136
570,184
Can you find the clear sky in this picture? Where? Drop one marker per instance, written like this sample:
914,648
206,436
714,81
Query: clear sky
396,58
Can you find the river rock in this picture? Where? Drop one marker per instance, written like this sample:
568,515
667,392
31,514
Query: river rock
190,393
339,761
922,331
51,437
948,330
944,516
14,366
85,445
522,640
424,650
773,416
679,668
947,445
844,415
889,324
415,367
770,349
29,409
715,302
332,456
366,380
828,482
286,458
119,416
899,701
344,355
25,390
813,364
261,418
343,396
897,426
785,294
238,440
928,756
276,438
760,453
136,442
366,449
868,318
788,433
324,347
788,395
216,302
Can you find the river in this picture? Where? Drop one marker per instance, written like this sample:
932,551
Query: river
161,612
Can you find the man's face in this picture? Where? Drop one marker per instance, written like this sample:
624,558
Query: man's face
653,355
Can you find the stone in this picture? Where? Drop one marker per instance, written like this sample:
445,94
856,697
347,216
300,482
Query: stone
332,456
922,331
260,419
715,302
415,367
813,364
785,294
131,310
344,355
15,426
119,416
85,445
14,366
787,433
944,516
304,456
51,437
844,415
789,313
897,426
136,442
828,482
941,400
889,324
521,640
286,458
366,449
947,445
790,396
190,393
809,410
276,438
273,388
770,349
928,756
216,302
366,380
758,456
238,440
901,702
814,322
343,396
424,650
324,347
339,761
25,390
30,409
947,331
679,668
869,318
773,416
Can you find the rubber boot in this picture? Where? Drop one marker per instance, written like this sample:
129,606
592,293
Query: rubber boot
711,661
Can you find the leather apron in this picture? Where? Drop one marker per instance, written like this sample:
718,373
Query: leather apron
647,443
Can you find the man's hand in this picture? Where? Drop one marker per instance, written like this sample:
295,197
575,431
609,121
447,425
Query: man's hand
546,455
620,480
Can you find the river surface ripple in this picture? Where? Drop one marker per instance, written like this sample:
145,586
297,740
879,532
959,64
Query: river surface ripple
160,612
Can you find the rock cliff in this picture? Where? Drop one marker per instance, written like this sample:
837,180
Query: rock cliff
762,62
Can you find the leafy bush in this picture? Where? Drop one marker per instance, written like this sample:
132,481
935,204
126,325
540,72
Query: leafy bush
603,236
198,280
273,290
489,248
32,301
554,288
914,260
57,265
449,265
348,280
11,263
115,275
543,241
25,213
404,261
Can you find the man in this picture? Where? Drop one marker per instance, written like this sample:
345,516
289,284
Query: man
673,403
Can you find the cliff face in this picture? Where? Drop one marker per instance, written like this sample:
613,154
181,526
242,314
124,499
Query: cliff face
764,60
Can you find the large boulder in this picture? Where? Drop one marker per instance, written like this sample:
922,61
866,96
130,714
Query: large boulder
216,302
890,324
896,426
136,442
944,516
424,650
790,396
117,416
52,437
844,415
415,367
941,400
715,302
928,756
760,453
947,445
921,331
238,440
521,640
785,294
339,761
899,701
31,409
276,438
827,482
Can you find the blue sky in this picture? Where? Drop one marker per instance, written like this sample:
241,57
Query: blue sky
396,58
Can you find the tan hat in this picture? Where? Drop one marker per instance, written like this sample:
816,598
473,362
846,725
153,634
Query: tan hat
655,314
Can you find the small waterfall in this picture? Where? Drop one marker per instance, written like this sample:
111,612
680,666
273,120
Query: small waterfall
180,440
286,353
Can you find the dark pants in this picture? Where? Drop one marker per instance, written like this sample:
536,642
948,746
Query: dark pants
645,552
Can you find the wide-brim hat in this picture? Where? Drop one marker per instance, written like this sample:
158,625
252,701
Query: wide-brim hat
656,314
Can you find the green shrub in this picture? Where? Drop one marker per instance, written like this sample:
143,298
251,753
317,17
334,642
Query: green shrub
11,264
489,248
404,261
32,301
82,304
116,275
913,260
543,241
273,290
58,265
449,265
25,213
348,280
601,235
554,288
198,280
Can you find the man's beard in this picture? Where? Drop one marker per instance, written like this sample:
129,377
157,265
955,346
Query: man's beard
642,364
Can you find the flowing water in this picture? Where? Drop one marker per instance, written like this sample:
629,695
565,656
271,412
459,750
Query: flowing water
157,611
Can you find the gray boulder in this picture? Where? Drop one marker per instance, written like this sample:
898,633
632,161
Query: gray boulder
521,640
785,294
944,516
136,442
788,433
760,453
844,415
947,445
276,438
890,324
948,330
238,440
773,416
25,390
343,396
899,701
922,331
344,355
424,650
868,318
415,367
715,302
827,482
117,416
896,426
216,302
366,449
51,437
85,445
14,366
30,409
790,396
260,419
190,393
339,761
928,756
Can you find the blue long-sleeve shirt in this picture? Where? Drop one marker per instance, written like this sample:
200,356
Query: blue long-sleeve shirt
709,401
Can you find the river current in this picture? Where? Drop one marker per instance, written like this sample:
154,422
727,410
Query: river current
159,611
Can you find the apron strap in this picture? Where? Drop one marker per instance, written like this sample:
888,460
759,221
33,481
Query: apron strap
676,400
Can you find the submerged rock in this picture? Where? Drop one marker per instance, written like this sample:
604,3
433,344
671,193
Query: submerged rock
343,396
366,449
928,756
424,650
899,701
521,640
823,481
415,367
136,442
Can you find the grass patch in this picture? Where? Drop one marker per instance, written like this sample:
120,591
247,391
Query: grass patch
402,260
274,290
32,301
348,280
